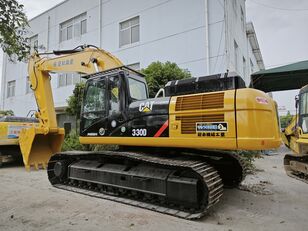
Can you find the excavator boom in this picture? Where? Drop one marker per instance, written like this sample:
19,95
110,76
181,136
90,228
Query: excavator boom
38,144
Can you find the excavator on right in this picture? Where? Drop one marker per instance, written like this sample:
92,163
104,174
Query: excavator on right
295,137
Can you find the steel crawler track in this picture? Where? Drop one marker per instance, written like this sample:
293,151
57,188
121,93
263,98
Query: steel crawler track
299,175
203,170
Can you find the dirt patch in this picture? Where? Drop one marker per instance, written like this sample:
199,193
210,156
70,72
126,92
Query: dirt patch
266,200
259,188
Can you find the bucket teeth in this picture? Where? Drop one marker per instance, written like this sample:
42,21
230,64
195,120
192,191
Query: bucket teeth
44,165
28,168
36,166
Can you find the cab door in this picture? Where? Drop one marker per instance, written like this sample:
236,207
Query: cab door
303,112
94,114
116,109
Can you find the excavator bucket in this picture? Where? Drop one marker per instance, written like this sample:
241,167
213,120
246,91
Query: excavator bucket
37,147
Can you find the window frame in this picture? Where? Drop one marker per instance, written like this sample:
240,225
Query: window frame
244,67
129,28
140,81
68,79
11,86
304,104
242,18
33,40
76,25
28,85
303,111
251,66
83,112
234,3
236,55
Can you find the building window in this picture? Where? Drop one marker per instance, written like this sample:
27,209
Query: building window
74,27
244,67
234,3
33,43
129,31
11,88
84,26
28,85
134,66
68,79
242,19
251,66
236,56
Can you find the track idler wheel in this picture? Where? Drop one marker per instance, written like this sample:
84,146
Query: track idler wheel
60,168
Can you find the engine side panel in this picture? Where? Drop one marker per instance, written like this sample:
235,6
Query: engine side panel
234,119
204,120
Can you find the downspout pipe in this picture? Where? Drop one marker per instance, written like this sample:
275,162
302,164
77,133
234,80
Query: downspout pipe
100,24
48,34
207,42
3,80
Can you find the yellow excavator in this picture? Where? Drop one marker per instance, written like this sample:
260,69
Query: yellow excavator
295,137
176,152
10,127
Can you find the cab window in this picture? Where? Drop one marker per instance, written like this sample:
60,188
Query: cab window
114,105
304,112
304,104
95,98
137,89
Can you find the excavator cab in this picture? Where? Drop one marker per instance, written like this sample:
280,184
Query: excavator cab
303,110
116,104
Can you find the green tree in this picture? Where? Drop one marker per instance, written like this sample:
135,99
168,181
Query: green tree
158,74
74,102
285,120
13,30
6,113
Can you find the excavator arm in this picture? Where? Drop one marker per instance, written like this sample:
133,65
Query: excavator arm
37,144
289,134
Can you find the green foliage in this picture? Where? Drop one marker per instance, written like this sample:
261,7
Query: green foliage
7,113
285,120
158,74
74,101
71,142
13,29
249,158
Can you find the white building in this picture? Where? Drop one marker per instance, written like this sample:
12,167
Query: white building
203,36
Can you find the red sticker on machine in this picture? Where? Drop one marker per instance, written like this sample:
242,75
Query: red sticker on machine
261,100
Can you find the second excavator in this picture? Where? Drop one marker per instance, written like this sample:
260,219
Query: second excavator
174,151
295,137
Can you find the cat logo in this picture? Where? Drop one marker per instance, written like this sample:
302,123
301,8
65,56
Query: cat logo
222,127
146,106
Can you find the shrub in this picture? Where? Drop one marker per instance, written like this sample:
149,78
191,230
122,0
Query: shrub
71,142
249,158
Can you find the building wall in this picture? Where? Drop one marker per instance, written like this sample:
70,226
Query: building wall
253,65
236,32
197,35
